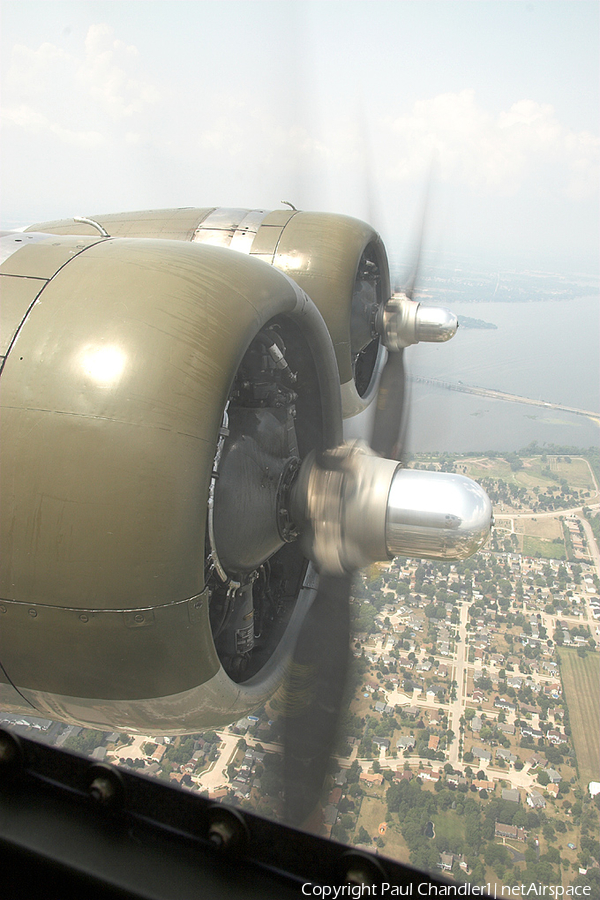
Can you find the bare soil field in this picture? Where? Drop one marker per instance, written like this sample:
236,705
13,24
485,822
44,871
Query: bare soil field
546,527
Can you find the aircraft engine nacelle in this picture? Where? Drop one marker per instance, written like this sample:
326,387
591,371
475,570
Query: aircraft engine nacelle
157,399
339,261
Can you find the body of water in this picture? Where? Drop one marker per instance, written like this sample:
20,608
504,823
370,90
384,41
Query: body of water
545,350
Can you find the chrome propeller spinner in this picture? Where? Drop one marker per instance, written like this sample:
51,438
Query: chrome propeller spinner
354,508
403,321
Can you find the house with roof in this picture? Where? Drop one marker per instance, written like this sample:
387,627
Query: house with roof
505,727
510,831
335,796
535,800
553,690
403,775
435,691
481,754
456,779
371,777
511,794
446,862
535,760
330,815
530,731
506,755
501,703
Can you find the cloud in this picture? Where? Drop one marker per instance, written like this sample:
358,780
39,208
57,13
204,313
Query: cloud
102,127
83,98
110,74
498,155
36,123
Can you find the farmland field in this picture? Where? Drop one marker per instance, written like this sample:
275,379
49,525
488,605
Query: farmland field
580,678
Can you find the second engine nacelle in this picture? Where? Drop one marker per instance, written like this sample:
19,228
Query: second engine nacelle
339,261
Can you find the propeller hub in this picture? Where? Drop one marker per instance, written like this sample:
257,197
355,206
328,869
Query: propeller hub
355,508
402,322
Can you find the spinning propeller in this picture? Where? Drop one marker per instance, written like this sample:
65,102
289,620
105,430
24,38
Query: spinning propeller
356,506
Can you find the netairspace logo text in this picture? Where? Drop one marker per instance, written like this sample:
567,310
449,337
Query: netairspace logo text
426,889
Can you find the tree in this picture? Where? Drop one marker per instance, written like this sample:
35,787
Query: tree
339,833
85,742
271,783
363,836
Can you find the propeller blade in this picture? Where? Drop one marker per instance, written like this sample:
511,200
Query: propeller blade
313,699
409,288
390,407
401,448
391,417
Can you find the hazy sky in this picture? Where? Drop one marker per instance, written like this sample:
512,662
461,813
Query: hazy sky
341,106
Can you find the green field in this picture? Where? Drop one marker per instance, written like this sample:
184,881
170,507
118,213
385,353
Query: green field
581,684
533,546
449,826
534,472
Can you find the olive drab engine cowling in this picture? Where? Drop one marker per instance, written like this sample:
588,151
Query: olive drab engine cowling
339,261
119,356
